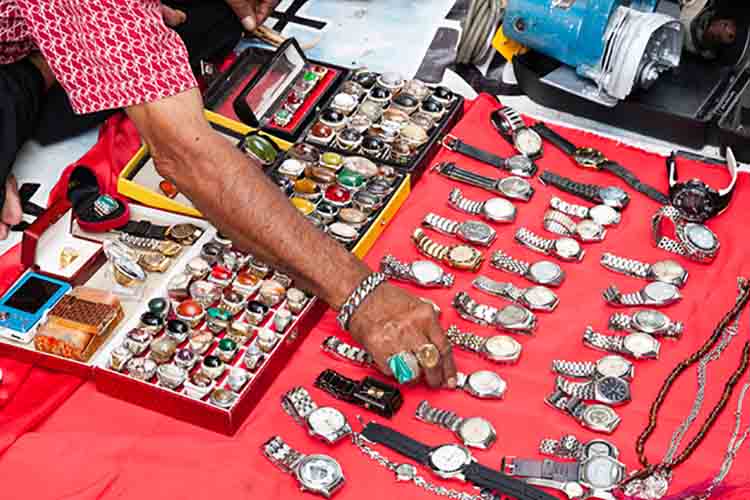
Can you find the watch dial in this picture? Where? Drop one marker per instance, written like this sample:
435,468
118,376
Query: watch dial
519,162
640,344
463,254
319,472
499,209
426,272
540,296
600,447
502,346
693,200
604,215
613,196
701,236
650,321
661,292
476,231
614,366
486,383
602,473
614,389
450,458
669,271
515,186
528,141
599,416
512,315
590,230
476,430
568,248
545,272
326,421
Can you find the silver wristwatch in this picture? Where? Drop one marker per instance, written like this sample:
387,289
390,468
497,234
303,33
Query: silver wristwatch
649,321
482,384
636,345
424,273
566,249
499,348
511,318
318,474
596,417
586,231
655,294
692,240
601,214
493,210
535,298
612,391
474,432
513,187
570,447
323,422
542,272
475,232
666,271
341,350
598,473
608,366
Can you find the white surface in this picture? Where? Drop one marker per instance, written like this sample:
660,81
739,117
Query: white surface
57,238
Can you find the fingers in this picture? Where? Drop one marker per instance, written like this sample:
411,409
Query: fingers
172,17
448,365
264,9
245,10
11,213
412,339
4,231
383,346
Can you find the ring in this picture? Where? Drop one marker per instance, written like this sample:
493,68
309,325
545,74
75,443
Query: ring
428,356
404,366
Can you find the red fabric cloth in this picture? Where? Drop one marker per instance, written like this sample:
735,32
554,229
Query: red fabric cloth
97,447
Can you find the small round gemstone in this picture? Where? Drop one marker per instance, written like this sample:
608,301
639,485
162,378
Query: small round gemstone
212,362
177,326
337,194
227,345
189,308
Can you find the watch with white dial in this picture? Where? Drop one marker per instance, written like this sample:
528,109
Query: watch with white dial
535,298
569,447
318,474
493,210
511,318
655,294
461,257
606,195
692,240
596,417
586,231
636,345
649,321
599,473
542,272
498,348
566,249
513,187
509,124
517,165
474,432
608,366
612,391
475,232
323,422
482,384
601,214
666,271
424,273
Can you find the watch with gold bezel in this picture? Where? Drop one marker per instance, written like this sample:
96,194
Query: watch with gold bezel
463,257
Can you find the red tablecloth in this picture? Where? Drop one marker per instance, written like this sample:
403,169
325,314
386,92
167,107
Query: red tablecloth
94,446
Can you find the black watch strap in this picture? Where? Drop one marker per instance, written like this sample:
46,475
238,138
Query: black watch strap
461,147
371,394
543,469
145,229
555,139
337,385
633,181
589,192
494,480
398,442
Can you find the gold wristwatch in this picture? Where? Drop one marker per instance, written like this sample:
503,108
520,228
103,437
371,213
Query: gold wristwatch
463,257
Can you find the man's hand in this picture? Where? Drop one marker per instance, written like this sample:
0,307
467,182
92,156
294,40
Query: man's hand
390,321
252,13
11,211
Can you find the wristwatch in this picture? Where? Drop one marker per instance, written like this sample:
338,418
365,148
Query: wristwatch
474,432
461,257
694,199
655,294
608,366
519,165
323,422
318,474
637,345
482,384
586,231
475,232
542,272
424,273
649,321
569,447
514,187
535,298
666,271
144,229
692,240
612,391
594,159
511,127
498,348
511,318
603,215
493,210
369,393
566,249
452,461
596,417
598,472
339,349
611,196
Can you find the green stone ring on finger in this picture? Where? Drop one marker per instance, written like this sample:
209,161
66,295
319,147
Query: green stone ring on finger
404,366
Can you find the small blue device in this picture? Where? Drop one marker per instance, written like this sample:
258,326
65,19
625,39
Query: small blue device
26,303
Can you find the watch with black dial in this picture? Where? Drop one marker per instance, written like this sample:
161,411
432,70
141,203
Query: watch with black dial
566,249
511,318
594,159
596,417
323,422
542,272
474,432
475,232
369,393
511,127
424,273
637,345
498,348
519,165
649,321
691,239
612,391
535,298
482,384
694,199
492,210
318,474
585,231
452,461
514,187
461,257
608,366
655,294
603,215
606,195
666,271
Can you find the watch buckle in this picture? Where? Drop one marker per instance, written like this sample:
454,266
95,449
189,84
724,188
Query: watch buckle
448,141
508,467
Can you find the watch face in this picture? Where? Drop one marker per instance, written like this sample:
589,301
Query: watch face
477,232
426,272
540,297
614,197
614,366
462,255
589,230
568,248
641,344
512,316
326,421
477,431
600,447
499,209
668,271
661,292
602,472
693,200
545,272
449,458
502,346
528,141
604,215
614,389
702,237
485,383
516,187
319,473
600,417
650,321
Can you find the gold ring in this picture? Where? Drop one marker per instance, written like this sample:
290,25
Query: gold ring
428,356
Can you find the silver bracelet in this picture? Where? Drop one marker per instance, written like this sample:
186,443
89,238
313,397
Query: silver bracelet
358,296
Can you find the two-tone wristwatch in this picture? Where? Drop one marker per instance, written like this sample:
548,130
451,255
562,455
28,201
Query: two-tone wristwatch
498,348
339,349
474,232
649,321
571,448
596,417
463,257
513,187
535,298
423,273
666,271
511,127
482,384
608,366
599,473
654,294
474,432
497,210
318,474
511,318
520,165
605,195
637,345
585,231
691,239
601,214
543,272
566,249
323,422
612,391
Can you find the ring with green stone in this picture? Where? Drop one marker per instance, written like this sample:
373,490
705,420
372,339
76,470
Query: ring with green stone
404,366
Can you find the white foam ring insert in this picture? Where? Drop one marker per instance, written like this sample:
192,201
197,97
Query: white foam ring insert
57,238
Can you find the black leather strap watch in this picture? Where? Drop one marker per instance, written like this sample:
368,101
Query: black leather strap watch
517,165
452,461
369,393
594,159
605,195
145,229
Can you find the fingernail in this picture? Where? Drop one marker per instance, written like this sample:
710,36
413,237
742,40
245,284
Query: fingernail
452,382
248,23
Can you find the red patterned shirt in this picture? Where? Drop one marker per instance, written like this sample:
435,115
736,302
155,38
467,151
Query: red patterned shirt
105,53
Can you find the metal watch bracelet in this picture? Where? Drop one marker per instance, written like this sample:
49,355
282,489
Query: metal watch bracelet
357,297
